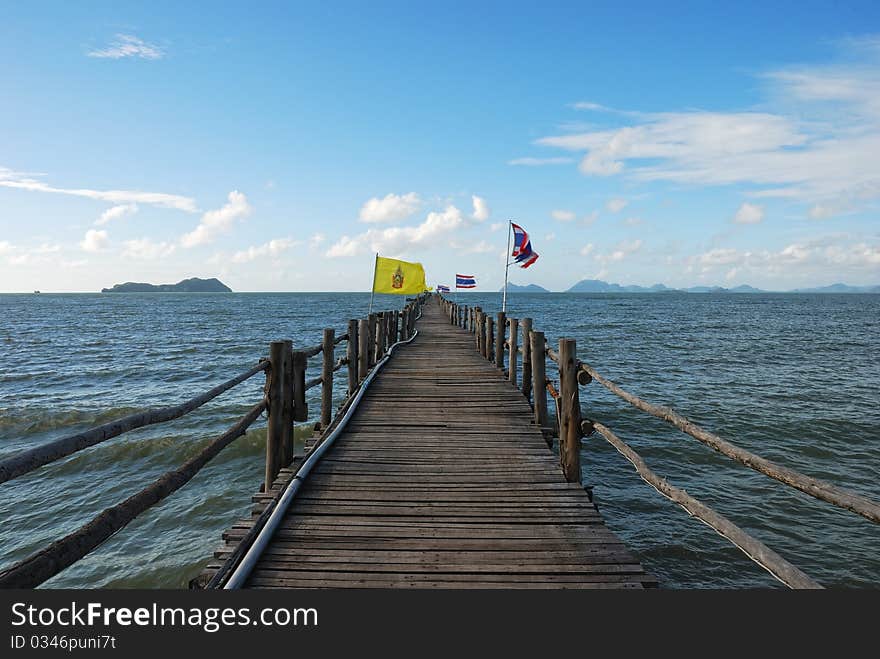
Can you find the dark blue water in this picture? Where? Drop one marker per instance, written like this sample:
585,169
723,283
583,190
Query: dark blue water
792,377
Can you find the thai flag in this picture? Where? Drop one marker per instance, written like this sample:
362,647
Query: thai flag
442,289
522,247
465,281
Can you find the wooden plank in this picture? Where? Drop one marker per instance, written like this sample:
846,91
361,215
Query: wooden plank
442,479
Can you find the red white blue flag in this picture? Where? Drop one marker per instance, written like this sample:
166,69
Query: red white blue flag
465,281
522,247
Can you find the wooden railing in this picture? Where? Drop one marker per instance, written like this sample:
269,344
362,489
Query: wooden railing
498,336
284,403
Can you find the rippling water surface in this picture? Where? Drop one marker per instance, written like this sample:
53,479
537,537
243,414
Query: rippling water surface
795,378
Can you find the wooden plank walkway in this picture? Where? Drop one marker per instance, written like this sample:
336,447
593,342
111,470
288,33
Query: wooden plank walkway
441,480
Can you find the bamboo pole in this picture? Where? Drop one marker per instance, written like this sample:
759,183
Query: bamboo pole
526,325
787,573
500,326
513,353
351,354
570,418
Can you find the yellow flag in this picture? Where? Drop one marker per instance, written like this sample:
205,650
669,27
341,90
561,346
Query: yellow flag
398,277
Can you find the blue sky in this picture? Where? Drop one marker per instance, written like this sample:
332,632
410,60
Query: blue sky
279,146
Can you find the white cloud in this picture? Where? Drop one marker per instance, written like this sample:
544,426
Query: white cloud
633,221
95,241
587,105
128,45
832,258
390,208
272,248
116,212
396,241
590,219
146,249
495,226
481,209
819,148
345,246
6,247
616,204
550,236
47,248
11,179
562,215
540,162
620,252
587,249
481,247
749,214
218,221
316,240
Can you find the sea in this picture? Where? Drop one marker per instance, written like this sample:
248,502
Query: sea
792,377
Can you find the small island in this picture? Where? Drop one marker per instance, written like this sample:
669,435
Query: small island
192,285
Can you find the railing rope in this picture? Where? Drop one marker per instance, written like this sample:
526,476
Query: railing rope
26,461
787,573
814,487
46,563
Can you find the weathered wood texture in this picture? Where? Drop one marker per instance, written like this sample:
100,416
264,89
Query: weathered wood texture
441,480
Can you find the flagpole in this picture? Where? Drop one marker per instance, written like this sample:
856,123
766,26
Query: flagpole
506,267
373,289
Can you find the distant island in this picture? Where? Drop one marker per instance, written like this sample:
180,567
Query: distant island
599,286
192,285
528,288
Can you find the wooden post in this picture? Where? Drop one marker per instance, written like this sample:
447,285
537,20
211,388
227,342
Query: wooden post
570,422
300,408
526,324
351,353
376,335
490,338
327,377
394,318
404,319
287,406
500,327
372,340
363,348
275,429
479,334
539,377
513,354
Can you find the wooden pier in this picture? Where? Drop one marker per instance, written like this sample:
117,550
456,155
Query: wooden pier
440,480
435,472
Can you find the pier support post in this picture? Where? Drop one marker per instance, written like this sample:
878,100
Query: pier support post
275,429
539,378
287,405
526,325
351,354
513,353
327,377
570,422
371,319
478,329
490,338
501,325
363,348
300,408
